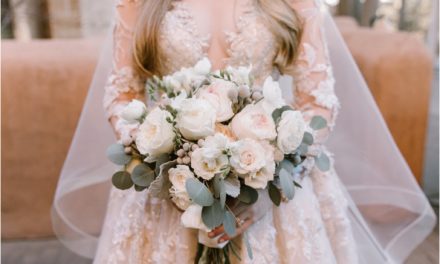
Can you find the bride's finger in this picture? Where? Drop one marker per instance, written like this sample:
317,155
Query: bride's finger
216,231
240,229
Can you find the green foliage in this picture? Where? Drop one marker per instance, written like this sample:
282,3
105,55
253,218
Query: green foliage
318,122
322,162
277,113
198,192
274,194
229,224
248,195
287,184
122,180
142,175
116,154
213,215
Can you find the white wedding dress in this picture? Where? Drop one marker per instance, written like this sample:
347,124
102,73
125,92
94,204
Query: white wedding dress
312,228
315,227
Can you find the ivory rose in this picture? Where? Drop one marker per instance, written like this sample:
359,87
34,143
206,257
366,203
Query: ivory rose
217,95
291,130
247,156
179,175
207,162
180,198
196,119
253,122
155,135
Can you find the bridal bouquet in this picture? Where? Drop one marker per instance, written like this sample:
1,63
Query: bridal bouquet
213,138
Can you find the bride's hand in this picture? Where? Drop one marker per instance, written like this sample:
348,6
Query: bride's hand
246,215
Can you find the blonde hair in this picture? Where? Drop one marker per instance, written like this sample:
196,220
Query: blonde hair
279,16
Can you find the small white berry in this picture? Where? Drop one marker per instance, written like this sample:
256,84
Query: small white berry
186,146
194,147
179,160
186,160
127,150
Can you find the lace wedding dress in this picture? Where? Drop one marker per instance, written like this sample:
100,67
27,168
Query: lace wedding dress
312,228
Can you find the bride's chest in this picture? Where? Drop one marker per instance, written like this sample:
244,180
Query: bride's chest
185,38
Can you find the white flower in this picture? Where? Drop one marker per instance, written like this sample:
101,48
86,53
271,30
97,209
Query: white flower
180,198
259,179
202,67
253,122
155,136
241,74
272,96
196,119
217,95
291,130
177,101
179,175
247,156
171,82
134,111
192,218
207,162
218,141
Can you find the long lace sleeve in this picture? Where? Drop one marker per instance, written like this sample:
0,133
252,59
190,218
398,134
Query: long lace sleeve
312,73
123,85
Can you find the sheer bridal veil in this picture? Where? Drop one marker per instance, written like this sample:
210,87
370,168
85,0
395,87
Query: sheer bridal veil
388,210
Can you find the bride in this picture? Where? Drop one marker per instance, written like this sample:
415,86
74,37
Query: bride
366,209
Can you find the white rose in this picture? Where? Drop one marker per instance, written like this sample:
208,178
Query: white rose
291,130
202,67
180,198
272,96
192,218
253,122
247,156
217,95
134,111
155,135
179,175
207,162
196,119
259,179
218,141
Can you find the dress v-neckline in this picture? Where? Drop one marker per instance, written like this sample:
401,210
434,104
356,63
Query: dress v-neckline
205,40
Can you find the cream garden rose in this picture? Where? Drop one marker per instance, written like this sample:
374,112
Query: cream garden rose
155,135
291,130
217,95
196,119
247,156
272,96
180,198
179,175
260,178
253,122
207,162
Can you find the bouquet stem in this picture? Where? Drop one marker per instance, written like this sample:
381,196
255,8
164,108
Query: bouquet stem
208,255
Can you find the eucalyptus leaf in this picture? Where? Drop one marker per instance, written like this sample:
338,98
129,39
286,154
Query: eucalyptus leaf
229,224
318,122
248,195
213,215
222,193
307,138
198,192
302,149
277,113
323,162
116,154
287,165
161,185
139,188
142,175
232,186
286,184
122,180
248,245
274,194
